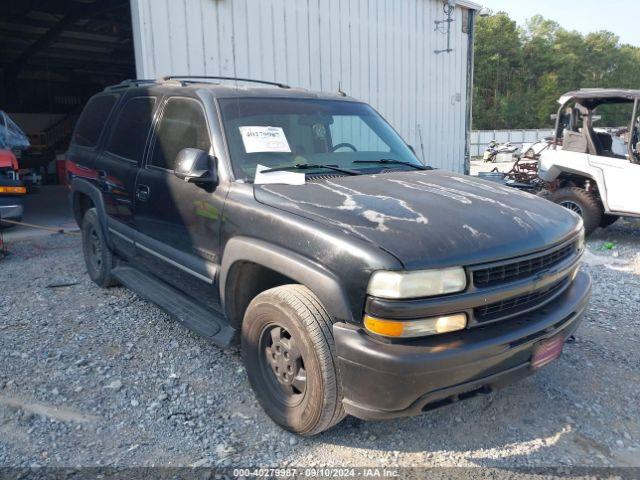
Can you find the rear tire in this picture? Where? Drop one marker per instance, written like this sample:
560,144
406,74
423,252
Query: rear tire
584,203
97,256
289,353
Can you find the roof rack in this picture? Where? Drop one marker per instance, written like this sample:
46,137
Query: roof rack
133,82
187,78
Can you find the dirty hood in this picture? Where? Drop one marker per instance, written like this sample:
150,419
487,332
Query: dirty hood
429,218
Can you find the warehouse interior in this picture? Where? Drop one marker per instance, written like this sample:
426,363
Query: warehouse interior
54,55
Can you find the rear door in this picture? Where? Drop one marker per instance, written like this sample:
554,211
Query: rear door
179,222
118,164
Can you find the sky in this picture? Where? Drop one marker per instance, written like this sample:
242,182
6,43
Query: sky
619,17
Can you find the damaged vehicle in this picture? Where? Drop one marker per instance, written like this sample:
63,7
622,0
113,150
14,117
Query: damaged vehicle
594,171
357,280
12,188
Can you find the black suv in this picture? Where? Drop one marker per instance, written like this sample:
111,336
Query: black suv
358,280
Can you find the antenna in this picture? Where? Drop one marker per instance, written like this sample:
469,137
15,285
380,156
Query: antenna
340,92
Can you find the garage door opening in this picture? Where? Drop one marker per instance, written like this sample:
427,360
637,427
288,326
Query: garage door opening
55,54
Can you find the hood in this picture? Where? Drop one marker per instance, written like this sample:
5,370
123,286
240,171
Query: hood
431,218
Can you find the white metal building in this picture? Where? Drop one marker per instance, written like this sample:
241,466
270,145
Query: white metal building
390,53
57,53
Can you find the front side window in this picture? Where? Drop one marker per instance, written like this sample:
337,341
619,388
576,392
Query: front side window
131,128
276,133
92,121
183,125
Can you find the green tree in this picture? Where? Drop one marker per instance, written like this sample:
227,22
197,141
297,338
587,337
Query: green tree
520,72
499,45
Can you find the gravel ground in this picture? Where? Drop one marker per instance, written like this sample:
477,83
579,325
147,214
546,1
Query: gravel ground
100,377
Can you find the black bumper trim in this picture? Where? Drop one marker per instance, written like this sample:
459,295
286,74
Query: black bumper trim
445,396
387,380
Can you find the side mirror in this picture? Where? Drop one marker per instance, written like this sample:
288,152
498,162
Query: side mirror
195,166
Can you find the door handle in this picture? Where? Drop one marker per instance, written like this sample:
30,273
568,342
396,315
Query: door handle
143,192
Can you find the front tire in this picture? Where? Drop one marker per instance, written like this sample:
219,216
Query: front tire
97,256
289,353
584,203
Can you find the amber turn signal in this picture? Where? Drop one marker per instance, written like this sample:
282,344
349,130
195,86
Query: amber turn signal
13,190
415,328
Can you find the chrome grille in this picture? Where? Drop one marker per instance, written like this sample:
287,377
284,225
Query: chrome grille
519,269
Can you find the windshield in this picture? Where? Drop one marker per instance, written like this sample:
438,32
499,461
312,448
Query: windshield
276,133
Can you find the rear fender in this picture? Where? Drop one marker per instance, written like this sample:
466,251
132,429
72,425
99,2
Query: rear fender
81,186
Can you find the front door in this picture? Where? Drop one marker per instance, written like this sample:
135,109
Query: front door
179,222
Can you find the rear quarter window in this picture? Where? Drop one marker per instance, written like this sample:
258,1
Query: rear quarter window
131,128
93,119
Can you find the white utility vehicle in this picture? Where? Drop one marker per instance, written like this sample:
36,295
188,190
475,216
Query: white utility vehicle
585,169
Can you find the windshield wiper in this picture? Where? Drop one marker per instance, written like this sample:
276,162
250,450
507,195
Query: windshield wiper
308,166
397,162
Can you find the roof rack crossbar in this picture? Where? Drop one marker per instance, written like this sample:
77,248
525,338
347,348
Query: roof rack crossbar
236,79
133,82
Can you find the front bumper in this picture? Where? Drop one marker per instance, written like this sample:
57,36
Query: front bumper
386,380
11,208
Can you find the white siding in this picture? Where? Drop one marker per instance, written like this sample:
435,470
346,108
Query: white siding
380,51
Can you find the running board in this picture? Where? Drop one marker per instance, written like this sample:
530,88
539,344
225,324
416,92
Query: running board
193,316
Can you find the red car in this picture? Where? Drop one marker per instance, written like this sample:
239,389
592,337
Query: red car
11,189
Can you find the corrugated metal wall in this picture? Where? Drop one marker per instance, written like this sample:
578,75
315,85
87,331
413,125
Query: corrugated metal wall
380,51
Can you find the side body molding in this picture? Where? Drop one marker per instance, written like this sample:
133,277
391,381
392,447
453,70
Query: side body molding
304,271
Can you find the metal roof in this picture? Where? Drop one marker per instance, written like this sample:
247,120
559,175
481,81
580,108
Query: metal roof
592,97
68,39
469,4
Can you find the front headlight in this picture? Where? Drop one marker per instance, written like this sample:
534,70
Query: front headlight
424,283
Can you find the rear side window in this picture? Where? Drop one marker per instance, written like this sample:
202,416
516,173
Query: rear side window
131,128
183,125
92,121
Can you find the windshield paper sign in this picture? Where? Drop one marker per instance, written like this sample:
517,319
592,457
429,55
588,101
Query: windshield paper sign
264,139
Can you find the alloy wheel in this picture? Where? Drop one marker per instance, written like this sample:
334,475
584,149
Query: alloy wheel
573,206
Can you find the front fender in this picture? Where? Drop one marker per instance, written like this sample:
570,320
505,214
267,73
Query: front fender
304,271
